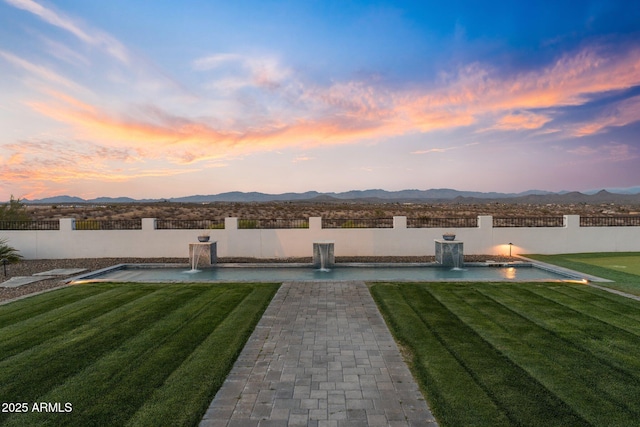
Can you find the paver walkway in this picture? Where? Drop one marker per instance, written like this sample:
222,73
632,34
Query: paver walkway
320,356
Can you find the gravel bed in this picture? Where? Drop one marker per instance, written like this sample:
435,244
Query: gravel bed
31,267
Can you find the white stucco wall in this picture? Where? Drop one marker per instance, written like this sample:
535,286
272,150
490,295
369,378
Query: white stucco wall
284,243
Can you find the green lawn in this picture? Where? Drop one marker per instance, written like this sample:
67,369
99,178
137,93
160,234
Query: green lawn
123,354
621,267
519,354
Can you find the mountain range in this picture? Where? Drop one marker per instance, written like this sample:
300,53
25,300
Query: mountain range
440,195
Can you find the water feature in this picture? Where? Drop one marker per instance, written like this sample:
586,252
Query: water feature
205,250
450,253
195,258
323,255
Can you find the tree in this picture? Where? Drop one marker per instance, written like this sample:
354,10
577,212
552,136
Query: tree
15,210
8,253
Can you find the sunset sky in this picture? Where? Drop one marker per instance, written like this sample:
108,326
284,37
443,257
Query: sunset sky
160,98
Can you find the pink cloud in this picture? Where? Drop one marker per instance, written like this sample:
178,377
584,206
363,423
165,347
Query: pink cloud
344,112
42,167
348,112
291,113
621,114
521,121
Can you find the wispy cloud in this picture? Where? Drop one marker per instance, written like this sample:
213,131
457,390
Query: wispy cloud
40,71
478,92
610,152
302,158
620,114
352,111
443,150
64,52
87,35
434,150
231,71
521,121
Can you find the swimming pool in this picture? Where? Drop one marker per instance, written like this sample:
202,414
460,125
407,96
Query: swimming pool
305,273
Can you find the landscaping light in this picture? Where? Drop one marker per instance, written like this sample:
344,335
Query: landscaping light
510,245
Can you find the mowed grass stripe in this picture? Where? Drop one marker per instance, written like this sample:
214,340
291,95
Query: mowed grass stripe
596,389
26,308
520,340
612,345
617,310
50,324
185,396
124,378
510,386
32,373
454,396
603,331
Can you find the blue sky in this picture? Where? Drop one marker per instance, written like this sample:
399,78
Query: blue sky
163,99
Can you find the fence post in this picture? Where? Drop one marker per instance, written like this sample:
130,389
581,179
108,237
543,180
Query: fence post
231,223
67,224
485,221
571,221
149,224
315,223
399,222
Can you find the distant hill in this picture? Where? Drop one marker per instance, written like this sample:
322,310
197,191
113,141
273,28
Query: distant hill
439,195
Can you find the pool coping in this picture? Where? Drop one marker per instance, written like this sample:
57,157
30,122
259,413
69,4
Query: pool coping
572,276
566,271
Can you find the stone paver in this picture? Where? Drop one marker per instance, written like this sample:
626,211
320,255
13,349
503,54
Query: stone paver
320,356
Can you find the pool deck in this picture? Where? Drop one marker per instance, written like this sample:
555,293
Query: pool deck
320,356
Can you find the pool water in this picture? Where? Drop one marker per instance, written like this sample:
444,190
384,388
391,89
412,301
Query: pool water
131,273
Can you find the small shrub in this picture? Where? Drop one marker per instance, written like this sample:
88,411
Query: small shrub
87,224
351,224
15,210
9,253
247,223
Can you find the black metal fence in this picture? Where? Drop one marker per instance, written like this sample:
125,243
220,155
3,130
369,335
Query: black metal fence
274,223
190,224
423,222
519,221
30,225
246,224
102,224
610,221
357,223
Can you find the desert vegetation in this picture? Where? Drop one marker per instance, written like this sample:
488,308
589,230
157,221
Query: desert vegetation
330,210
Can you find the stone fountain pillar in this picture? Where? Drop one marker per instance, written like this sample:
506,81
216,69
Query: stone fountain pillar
203,254
323,254
449,253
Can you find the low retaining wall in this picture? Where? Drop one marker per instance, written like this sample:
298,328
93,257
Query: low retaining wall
150,242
